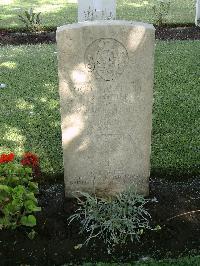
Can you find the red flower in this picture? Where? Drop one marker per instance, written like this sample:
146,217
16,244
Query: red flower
6,158
30,159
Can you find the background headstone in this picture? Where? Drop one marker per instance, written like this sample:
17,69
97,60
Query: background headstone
197,18
96,9
106,94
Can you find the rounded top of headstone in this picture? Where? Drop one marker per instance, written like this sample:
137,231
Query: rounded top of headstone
106,23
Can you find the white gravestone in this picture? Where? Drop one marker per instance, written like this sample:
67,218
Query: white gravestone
106,93
197,18
96,10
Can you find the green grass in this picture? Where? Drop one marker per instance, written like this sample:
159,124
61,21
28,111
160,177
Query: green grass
30,118
56,13
176,108
186,261
30,73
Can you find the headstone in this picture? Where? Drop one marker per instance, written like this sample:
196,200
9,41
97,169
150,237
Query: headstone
96,10
197,18
106,94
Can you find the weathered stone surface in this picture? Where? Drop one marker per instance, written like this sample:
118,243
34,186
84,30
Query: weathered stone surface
106,93
96,9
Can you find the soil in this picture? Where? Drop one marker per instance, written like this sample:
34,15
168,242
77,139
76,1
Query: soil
177,211
178,33
162,33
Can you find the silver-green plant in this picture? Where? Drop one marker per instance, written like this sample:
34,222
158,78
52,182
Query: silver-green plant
113,219
161,10
31,20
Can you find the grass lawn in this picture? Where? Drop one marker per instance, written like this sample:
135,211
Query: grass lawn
30,118
56,13
176,107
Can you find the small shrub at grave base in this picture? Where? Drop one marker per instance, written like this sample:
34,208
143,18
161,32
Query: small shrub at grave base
161,10
17,194
31,20
183,261
114,220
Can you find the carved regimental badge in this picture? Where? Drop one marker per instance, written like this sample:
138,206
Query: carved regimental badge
106,58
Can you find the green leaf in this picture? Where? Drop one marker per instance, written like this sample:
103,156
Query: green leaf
5,222
31,207
18,191
27,15
33,186
32,234
14,206
5,188
29,220
28,170
31,196
38,18
37,209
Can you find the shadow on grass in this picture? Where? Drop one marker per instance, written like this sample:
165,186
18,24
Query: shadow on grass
30,118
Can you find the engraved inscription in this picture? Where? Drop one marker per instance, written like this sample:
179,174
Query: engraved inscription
83,89
77,180
106,58
115,175
112,145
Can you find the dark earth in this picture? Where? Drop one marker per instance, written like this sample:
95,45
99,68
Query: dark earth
177,209
176,32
